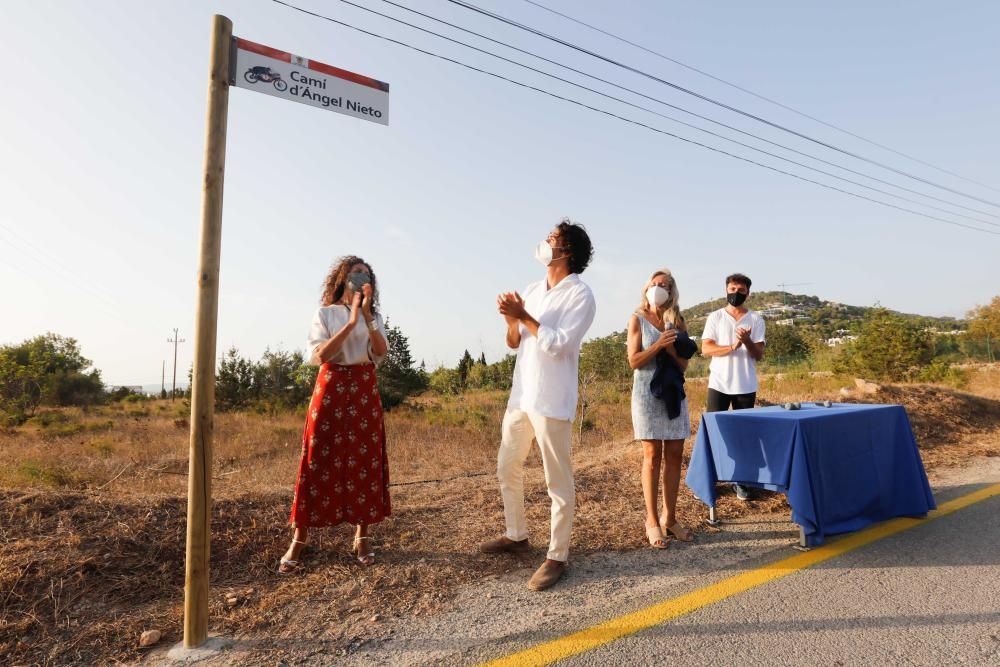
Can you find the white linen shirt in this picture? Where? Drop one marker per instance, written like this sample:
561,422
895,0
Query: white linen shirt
357,347
546,374
736,372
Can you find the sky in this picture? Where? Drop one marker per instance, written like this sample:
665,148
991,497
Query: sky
102,126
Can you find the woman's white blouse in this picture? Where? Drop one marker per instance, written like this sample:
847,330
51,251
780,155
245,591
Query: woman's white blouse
357,347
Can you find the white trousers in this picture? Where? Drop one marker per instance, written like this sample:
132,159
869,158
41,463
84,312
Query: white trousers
554,438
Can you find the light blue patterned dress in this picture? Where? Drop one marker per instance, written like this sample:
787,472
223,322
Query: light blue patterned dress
649,414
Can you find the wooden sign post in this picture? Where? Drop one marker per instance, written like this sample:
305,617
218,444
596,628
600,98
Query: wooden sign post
266,70
203,381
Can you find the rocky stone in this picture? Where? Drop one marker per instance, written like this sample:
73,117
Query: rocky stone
149,637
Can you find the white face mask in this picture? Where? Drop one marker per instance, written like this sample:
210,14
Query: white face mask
543,252
657,296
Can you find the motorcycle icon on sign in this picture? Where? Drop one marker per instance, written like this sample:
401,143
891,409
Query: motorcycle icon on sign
267,75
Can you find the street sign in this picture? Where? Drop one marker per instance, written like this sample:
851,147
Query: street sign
295,78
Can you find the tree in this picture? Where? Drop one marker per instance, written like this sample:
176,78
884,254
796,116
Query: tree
606,359
47,369
278,379
20,390
984,324
786,344
397,377
445,381
237,382
464,365
482,358
888,348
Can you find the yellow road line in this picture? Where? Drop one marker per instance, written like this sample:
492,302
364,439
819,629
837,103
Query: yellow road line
593,637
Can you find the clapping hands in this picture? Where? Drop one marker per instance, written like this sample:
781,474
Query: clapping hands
366,301
355,309
511,306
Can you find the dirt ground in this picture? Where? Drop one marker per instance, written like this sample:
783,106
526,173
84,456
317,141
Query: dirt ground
83,571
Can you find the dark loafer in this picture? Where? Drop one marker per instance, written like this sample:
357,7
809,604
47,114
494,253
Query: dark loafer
547,575
505,545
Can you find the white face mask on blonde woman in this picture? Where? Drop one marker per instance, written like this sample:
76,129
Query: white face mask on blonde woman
656,296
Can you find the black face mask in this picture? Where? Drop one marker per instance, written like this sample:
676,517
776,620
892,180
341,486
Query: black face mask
736,299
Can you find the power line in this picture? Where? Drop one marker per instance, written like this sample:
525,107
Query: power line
623,118
43,260
687,91
671,118
757,95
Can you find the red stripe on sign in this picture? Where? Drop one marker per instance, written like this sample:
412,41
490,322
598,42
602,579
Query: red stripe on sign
348,76
330,70
254,47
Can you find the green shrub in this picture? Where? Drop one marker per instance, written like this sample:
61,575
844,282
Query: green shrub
34,472
888,348
942,372
445,381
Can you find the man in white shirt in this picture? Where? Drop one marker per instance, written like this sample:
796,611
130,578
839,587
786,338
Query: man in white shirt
546,327
734,339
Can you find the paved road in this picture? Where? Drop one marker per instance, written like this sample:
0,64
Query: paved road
927,596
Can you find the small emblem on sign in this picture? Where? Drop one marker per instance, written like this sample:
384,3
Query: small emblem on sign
267,75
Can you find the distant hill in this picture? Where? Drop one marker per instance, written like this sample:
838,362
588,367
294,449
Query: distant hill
824,317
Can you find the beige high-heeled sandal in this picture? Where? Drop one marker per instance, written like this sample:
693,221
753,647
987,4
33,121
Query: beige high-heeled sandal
287,565
677,531
656,538
365,559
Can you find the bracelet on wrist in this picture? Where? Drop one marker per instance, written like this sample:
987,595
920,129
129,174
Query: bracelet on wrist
372,325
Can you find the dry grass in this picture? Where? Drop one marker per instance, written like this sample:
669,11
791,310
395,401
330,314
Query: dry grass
92,516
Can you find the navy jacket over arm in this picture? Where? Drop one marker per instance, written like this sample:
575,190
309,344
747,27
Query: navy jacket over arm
668,378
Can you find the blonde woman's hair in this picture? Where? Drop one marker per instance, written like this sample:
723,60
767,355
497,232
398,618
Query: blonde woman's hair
672,308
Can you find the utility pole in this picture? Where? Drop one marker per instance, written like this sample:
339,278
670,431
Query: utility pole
784,294
175,340
163,378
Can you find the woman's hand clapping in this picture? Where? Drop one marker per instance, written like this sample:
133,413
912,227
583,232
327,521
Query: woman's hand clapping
355,308
366,302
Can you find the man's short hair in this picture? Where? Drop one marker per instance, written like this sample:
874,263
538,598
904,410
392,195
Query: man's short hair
574,237
739,279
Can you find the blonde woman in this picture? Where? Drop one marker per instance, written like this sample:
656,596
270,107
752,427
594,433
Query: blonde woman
660,412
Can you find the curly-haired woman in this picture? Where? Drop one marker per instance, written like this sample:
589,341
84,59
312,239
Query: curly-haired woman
344,472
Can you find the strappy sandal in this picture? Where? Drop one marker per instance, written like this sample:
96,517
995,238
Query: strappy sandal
679,532
365,559
656,538
287,565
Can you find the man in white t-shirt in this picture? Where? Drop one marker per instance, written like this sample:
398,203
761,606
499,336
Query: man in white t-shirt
734,339
546,327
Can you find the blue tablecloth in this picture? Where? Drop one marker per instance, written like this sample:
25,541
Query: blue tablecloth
843,467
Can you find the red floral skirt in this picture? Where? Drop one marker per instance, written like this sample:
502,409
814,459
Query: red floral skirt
344,473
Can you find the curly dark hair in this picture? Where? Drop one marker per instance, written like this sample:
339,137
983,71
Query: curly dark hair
739,279
333,286
574,237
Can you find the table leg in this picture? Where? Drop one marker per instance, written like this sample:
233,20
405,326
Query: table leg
712,520
802,545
